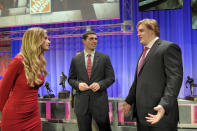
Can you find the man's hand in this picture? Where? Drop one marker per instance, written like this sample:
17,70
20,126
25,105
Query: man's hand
152,119
126,107
94,87
83,86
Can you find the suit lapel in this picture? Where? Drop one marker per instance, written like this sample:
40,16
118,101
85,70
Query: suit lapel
95,63
82,64
150,53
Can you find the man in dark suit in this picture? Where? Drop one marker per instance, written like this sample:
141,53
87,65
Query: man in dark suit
73,91
157,82
91,73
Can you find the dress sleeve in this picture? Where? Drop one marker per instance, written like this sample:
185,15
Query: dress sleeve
8,81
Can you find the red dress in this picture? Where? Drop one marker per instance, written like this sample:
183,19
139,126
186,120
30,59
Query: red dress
18,101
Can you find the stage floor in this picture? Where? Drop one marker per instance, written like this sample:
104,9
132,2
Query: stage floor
57,115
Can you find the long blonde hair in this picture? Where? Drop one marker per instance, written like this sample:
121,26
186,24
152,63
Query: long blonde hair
33,55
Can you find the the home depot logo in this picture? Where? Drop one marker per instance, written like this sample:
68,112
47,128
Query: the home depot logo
40,6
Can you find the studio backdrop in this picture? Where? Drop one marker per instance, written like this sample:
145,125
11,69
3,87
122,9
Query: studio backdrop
124,49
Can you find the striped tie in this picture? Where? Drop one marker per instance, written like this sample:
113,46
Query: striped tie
142,60
89,66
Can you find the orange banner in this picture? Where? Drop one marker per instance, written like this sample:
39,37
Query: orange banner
40,6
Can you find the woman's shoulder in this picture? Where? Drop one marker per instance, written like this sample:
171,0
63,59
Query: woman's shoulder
17,60
19,56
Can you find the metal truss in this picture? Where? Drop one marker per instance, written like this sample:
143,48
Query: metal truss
124,27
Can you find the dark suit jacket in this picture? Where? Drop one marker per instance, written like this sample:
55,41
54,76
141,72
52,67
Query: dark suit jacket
158,82
102,73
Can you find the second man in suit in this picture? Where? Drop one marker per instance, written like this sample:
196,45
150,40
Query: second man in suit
90,74
157,81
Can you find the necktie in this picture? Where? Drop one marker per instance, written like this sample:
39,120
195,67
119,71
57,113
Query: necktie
142,60
89,66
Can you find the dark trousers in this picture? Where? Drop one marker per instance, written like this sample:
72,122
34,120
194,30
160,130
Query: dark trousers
100,115
85,122
149,128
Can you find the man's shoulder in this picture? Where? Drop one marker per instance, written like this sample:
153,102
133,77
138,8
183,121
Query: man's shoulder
165,42
77,57
100,54
168,44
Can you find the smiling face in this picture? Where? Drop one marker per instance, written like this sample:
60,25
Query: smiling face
145,35
90,42
45,44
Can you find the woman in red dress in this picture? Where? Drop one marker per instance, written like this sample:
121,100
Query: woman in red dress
19,86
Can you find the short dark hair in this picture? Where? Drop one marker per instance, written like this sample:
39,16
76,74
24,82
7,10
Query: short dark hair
85,35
